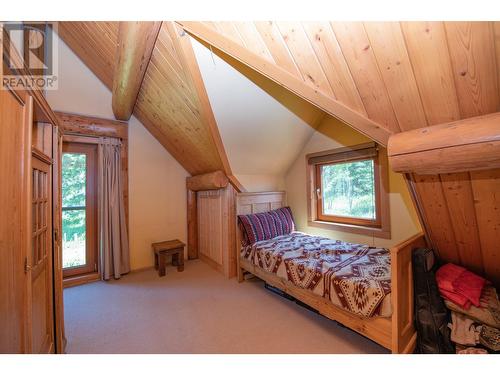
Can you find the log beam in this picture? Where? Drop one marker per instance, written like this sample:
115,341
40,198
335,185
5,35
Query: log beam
136,41
459,146
208,181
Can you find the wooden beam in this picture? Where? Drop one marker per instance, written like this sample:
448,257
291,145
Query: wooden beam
136,41
208,181
459,146
192,224
285,79
95,126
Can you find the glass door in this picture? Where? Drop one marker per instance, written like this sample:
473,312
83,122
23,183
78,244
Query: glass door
79,209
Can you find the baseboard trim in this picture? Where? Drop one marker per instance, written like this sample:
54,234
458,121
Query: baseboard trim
81,279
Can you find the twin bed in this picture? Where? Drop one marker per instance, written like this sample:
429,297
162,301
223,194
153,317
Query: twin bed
365,288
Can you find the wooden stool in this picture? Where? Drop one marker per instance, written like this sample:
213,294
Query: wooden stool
166,248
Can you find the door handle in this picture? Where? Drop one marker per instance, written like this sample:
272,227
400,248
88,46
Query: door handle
27,267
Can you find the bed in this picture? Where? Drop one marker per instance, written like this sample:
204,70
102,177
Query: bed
365,288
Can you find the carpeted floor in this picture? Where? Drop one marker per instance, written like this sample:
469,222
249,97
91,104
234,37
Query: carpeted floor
197,311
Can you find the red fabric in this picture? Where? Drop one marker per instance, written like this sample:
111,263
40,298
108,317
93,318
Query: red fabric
459,285
456,298
471,286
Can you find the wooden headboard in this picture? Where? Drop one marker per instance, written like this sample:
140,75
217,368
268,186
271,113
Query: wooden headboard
251,203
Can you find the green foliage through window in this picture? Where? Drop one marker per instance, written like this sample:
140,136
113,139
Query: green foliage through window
74,176
348,189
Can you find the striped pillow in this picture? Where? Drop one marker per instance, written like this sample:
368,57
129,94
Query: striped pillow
266,225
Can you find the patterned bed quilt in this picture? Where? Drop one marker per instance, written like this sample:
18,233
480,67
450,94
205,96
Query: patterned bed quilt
354,277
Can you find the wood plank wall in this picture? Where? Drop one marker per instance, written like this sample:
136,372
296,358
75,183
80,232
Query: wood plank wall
405,75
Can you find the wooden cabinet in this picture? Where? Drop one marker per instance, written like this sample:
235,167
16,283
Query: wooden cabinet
216,232
28,320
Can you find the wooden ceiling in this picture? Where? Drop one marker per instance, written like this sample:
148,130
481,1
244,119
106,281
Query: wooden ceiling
402,76
380,78
172,103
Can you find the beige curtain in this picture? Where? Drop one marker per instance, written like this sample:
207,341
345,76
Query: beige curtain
113,239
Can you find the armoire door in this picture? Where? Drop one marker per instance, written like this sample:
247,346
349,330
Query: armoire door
41,308
15,150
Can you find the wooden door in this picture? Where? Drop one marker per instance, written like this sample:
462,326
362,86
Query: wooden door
41,309
57,143
15,121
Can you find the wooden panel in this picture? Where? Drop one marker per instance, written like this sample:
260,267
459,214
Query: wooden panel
15,146
434,80
210,230
364,69
437,216
332,60
271,36
472,51
216,229
252,40
458,193
95,44
303,54
389,48
486,191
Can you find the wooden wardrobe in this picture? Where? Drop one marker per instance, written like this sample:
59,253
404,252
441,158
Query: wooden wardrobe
31,309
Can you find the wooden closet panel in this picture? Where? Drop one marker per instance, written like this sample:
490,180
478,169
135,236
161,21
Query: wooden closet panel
15,147
210,215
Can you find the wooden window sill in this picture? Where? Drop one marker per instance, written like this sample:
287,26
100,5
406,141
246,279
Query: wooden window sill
81,279
356,229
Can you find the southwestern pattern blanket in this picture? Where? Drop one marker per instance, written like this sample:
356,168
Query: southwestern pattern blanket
354,277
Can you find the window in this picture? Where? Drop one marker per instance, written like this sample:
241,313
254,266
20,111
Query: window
79,209
348,189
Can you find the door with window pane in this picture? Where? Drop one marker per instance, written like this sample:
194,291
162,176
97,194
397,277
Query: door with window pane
79,209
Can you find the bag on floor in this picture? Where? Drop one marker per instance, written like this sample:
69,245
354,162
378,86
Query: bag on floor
431,314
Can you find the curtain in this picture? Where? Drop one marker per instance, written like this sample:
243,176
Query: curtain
113,239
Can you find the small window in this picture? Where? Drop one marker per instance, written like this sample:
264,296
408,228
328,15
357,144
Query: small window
348,188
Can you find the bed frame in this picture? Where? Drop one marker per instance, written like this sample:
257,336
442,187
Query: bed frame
396,333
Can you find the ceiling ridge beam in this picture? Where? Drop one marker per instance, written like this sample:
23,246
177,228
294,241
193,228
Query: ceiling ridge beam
136,41
285,79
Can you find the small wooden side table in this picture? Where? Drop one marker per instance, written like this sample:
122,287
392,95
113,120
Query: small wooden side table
175,248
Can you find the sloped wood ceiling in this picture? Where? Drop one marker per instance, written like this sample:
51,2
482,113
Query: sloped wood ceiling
402,76
172,103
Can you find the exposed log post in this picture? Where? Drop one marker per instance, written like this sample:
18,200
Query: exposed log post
208,181
459,146
136,41
192,223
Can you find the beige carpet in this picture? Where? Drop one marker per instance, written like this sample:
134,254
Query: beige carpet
197,311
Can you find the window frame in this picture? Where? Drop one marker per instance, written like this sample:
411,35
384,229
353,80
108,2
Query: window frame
380,227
